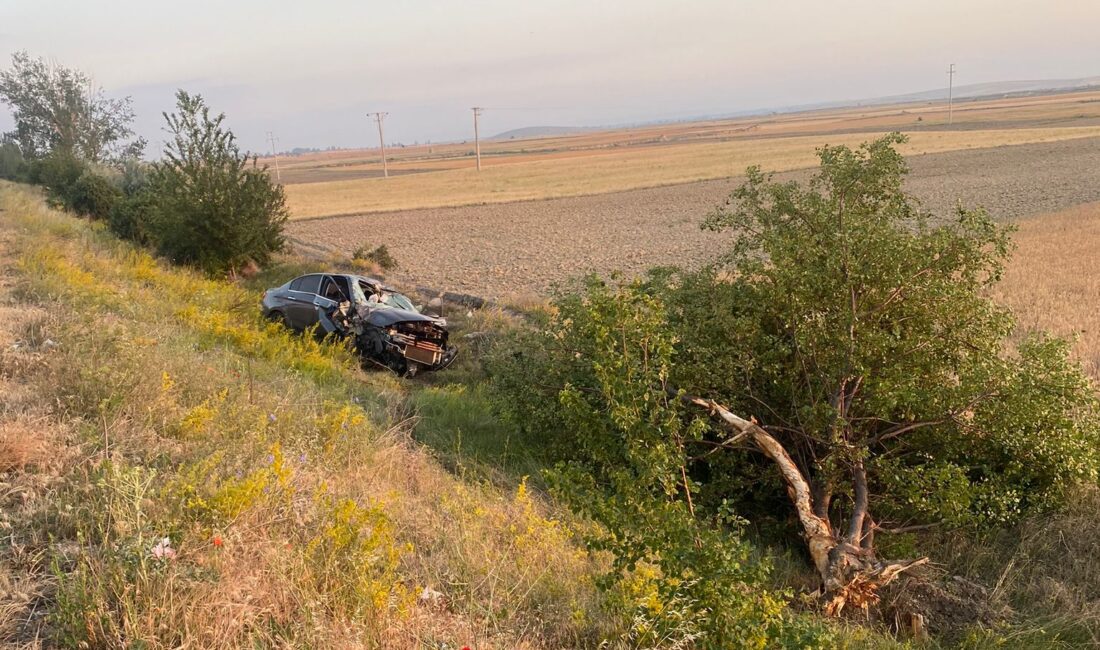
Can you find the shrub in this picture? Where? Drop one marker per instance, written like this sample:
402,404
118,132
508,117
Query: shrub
379,257
586,383
213,207
12,165
58,173
92,195
129,217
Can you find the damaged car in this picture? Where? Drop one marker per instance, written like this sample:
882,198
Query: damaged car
384,326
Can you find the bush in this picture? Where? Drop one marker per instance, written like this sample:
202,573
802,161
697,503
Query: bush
379,257
129,217
92,195
12,165
585,384
58,173
212,206
75,185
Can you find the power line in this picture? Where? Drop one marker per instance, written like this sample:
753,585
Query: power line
477,140
380,117
950,90
272,139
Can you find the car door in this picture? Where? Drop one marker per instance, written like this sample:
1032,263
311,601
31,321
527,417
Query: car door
301,311
332,293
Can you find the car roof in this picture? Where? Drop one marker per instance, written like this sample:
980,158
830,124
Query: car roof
369,280
375,282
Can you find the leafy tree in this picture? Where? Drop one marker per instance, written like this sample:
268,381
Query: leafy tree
57,111
212,206
854,333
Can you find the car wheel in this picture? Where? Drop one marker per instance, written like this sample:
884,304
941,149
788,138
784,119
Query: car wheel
276,316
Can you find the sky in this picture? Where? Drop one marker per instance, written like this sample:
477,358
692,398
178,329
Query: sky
311,71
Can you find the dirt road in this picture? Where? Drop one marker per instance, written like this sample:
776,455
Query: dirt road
515,249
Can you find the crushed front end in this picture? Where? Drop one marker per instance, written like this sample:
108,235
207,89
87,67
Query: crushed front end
405,342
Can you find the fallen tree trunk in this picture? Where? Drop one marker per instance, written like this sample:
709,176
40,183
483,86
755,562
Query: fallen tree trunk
849,571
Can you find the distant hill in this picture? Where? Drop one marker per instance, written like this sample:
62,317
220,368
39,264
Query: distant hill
971,91
964,92
541,132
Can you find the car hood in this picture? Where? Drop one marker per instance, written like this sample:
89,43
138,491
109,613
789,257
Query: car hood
389,315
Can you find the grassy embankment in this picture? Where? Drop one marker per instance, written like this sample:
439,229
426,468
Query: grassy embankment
610,170
177,472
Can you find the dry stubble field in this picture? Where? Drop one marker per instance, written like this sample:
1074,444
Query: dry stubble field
590,172
516,249
1076,109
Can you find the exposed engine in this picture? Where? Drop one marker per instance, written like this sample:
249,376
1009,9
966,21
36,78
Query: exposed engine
405,342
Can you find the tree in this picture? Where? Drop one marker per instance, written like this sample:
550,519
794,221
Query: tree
212,206
57,110
848,337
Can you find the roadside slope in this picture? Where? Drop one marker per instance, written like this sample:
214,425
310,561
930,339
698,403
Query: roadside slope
177,472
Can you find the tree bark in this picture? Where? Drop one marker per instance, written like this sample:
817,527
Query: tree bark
849,571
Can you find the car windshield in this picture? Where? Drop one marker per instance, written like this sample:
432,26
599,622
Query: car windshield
397,300
384,297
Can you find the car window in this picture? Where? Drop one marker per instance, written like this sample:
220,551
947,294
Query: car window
331,290
345,290
307,283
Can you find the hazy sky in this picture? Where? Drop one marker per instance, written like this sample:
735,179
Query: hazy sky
311,70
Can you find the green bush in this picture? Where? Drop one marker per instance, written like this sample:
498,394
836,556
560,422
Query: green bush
58,173
212,206
12,165
129,217
380,255
92,195
74,185
586,384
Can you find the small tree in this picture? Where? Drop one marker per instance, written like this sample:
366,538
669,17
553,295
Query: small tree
56,110
854,334
213,206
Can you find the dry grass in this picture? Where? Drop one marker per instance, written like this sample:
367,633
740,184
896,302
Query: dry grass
607,170
299,511
22,444
1053,279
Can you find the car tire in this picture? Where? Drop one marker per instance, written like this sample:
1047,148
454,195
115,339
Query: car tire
276,316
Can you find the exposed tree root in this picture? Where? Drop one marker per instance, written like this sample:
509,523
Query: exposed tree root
850,573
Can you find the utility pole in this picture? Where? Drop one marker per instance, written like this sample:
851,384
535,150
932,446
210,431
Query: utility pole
950,90
380,117
477,140
272,139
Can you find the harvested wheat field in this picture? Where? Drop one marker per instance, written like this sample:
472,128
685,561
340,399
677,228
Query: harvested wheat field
1051,282
612,170
521,248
